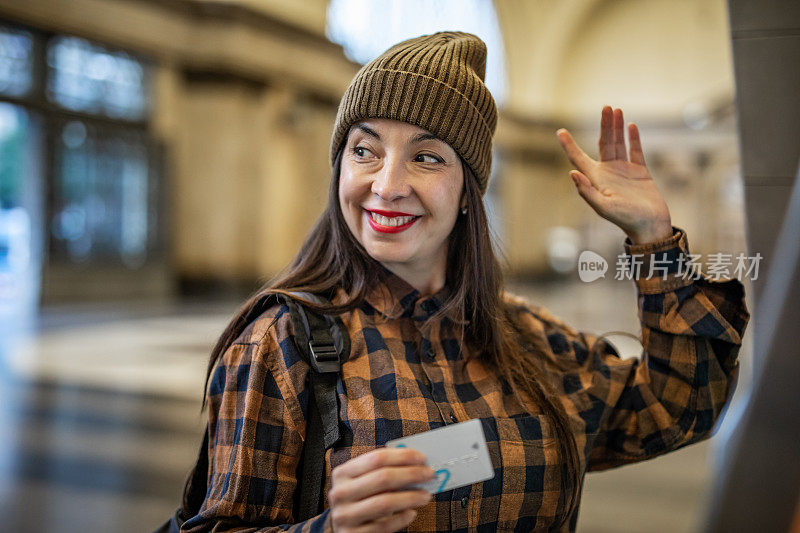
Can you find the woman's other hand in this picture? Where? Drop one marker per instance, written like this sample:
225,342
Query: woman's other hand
618,187
367,493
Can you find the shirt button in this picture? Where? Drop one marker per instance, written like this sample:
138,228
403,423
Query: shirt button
453,418
464,501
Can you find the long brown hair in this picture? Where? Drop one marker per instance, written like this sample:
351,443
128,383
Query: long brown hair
331,257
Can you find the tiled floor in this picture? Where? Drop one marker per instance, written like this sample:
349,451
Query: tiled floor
100,419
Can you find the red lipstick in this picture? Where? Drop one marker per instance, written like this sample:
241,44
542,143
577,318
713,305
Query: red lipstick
391,213
389,229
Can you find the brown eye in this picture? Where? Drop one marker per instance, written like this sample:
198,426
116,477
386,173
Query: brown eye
435,159
359,151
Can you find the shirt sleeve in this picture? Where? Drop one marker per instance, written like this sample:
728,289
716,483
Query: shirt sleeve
691,331
257,412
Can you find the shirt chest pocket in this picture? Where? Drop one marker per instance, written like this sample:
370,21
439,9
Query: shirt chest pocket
530,472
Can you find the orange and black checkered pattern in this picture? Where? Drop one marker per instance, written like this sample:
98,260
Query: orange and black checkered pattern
403,378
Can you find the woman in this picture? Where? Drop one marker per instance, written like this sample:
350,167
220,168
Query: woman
404,254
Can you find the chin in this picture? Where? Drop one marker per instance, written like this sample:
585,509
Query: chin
383,256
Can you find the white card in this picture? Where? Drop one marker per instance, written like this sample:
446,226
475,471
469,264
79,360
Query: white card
457,453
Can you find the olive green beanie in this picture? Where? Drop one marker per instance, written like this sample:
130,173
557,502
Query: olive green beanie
435,82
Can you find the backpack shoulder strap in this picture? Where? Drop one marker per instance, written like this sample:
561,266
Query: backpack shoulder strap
328,346
323,338
324,343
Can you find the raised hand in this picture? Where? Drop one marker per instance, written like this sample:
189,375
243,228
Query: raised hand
619,189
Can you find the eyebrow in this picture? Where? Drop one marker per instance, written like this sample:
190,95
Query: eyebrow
419,137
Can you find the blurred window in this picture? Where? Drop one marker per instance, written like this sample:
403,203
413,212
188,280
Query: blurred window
101,194
365,28
20,238
13,135
97,174
85,77
14,249
16,61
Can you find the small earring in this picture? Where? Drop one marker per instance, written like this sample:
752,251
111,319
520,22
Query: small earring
463,210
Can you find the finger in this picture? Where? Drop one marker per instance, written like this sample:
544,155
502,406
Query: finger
587,191
378,506
395,522
381,480
385,521
374,459
606,134
577,156
619,136
637,156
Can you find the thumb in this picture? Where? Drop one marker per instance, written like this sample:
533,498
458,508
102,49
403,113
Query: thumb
586,189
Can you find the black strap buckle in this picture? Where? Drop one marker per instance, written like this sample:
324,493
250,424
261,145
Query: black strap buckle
323,351
324,357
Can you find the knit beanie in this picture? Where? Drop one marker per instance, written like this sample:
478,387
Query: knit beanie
434,81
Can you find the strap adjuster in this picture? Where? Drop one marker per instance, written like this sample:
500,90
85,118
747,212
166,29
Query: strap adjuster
324,357
323,351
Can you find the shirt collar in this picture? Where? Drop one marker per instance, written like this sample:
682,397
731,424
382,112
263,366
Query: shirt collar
394,297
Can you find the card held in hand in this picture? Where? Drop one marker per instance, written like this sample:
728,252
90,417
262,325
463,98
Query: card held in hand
457,453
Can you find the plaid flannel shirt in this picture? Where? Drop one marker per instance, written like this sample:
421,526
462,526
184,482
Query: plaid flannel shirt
402,379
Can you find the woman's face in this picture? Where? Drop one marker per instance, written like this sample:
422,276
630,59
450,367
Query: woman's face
400,191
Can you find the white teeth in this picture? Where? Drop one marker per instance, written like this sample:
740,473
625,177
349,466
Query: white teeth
390,221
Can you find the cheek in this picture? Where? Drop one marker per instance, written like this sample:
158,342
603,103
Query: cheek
453,204
449,198
351,189
341,193
346,193
445,209
350,198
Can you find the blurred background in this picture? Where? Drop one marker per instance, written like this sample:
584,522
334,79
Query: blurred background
159,160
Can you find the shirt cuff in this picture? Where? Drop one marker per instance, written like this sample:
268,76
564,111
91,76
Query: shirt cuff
660,266
327,525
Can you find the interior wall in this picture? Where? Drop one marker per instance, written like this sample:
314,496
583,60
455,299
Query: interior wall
668,66
308,14
245,95
567,58
767,50
243,98
758,490
654,58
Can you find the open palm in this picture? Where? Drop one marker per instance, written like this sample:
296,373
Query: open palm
618,187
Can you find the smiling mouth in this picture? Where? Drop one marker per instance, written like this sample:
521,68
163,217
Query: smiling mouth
390,221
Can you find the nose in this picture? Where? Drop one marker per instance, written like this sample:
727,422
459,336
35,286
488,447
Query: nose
391,182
